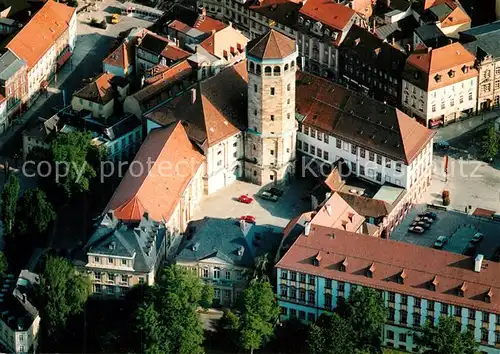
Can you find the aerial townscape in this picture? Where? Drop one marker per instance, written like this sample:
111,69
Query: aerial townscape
250,176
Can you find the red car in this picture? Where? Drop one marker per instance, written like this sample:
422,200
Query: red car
245,199
248,218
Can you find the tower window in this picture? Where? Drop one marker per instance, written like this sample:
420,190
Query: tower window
254,147
272,152
272,117
288,87
255,112
288,115
292,64
286,67
272,91
255,173
252,67
277,71
254,88
258,72
268,71
271,177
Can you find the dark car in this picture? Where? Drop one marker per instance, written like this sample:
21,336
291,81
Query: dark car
276,191
99,24
422,224
416,229
429,215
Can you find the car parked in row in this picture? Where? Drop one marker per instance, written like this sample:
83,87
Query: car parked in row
416,229
428,214
477,238
269,196
422,224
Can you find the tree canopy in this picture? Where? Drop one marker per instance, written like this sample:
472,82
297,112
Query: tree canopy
71,154
168,321
35,212
446,338
62,292
354,328
10,195
490,143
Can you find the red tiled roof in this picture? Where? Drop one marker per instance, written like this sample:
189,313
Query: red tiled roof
420,264
169,76
121,57
328,13
158,190
338,213
272,45
207,24
174,53
359,119
41,32
99,90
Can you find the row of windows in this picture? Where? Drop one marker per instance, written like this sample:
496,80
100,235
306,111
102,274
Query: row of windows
217,273
110,260
311,317
269,70
301,277
353,148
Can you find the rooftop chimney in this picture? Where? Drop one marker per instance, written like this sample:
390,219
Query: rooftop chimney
429,49
408,47
307,228
478,262
329,209
193,95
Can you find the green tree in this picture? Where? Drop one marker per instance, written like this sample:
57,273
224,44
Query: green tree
10,195
366,313
35,212
490,143
71,153
260,270
446,338
62,292
331,335
228,327
171,312
260,313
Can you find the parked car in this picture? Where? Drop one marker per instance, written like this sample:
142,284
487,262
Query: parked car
477,238
115,18
277,192
422,224
245,199
440,242
416,229
248,218
428,214
269,196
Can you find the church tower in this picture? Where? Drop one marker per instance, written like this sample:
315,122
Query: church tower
270,140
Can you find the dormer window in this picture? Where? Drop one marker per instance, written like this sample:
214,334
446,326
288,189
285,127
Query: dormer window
465,69
416,75
401,277
301,20
343,265
451,73
461,290
433,284
327,32
308,23
317,259
317,26
437,77
334,35
370,271
488,296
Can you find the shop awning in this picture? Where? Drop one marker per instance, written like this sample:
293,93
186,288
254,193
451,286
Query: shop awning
64,58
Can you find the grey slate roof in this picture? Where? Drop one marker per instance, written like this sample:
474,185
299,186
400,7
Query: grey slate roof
144,242
432,36
9,65
398,30
219,238
485,38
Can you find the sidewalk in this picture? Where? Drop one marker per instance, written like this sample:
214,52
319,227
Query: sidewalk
82,48
456,129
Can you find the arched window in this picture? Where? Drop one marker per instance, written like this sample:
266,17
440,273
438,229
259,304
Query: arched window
252,67
277,71
258,72
286,67
292,64
267,71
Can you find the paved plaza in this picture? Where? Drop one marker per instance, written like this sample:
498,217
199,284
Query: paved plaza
224,204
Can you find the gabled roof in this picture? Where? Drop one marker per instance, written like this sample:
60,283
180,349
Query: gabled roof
272,45
337,213
361,120
214,109
99,90
390,258
142,243
121,57
174,53
158,190
208,24
284,12
41,32
153,43
217,238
